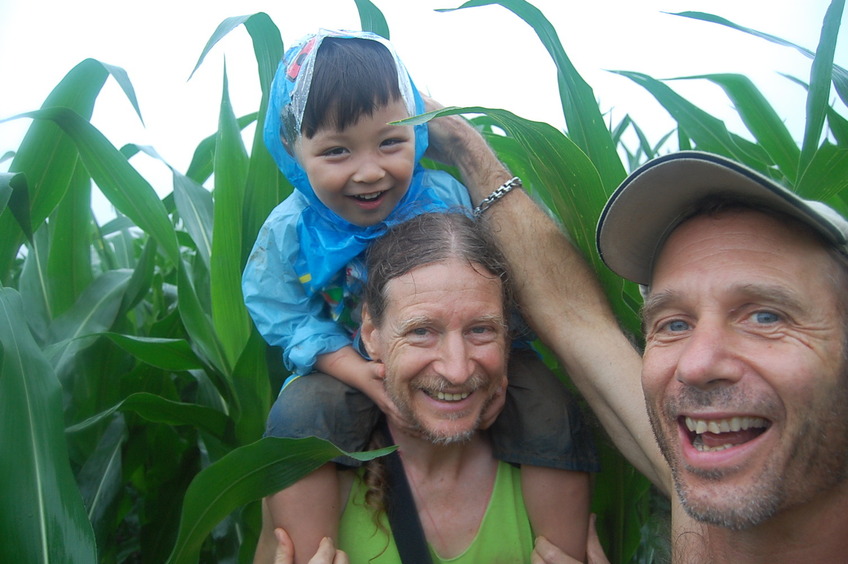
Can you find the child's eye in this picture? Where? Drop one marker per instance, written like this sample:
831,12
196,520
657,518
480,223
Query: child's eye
334,152
392,141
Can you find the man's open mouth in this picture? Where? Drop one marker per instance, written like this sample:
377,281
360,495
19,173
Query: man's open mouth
712,435
442,396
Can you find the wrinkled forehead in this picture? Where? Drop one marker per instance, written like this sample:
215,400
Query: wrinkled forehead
446,290
738,243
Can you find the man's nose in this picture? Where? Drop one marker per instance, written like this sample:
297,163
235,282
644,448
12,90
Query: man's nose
708,357
454,364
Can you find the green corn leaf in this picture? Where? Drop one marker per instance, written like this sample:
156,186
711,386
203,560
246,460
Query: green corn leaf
14,193
161,410
268,49
101,482
220,32
198,325
840,74
200,167
194,204
173,355
6,188
141,282
125,188
229,314
761,120
93,313
560,170
246,474
123,80
33,287
838,126
69,259
253,390
586,126
621,501
372,19
41,510
48,157
265,186
820,76
826,175
267,43
709,133
96,309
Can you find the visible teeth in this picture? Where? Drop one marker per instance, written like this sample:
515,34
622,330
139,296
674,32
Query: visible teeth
451,397
372,196
701,447
716,426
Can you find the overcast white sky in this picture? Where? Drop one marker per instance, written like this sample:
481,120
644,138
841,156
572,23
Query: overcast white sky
480,56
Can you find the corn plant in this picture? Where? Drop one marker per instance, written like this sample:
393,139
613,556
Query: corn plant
133,387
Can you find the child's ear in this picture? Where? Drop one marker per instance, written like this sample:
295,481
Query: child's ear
369,334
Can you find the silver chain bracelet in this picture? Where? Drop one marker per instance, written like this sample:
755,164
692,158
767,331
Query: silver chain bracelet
499,193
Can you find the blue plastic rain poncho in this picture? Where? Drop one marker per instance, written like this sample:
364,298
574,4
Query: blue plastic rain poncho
304,249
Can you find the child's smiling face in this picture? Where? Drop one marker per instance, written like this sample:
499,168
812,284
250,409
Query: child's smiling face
364,170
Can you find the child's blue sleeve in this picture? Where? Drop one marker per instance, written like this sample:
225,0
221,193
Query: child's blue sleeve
448,189
282,312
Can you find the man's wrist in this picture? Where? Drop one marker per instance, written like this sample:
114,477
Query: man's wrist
497,194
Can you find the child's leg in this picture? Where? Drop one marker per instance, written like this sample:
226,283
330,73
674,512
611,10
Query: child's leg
558,503
317,405
308,510
542,430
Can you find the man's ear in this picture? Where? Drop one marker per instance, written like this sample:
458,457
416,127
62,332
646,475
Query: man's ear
369,335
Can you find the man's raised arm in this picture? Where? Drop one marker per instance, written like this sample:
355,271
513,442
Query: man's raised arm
560,298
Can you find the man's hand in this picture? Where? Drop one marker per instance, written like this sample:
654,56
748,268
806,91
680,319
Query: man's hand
546,553
327,553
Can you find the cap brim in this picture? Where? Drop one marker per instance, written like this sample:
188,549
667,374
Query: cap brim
655,198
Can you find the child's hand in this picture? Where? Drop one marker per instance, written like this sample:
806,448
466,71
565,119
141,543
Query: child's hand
377,392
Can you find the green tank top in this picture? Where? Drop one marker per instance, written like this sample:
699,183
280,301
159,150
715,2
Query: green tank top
504,536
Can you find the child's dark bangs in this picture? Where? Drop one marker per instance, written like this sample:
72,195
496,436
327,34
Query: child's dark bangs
352,77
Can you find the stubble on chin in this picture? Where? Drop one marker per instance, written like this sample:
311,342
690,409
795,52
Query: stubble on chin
439,438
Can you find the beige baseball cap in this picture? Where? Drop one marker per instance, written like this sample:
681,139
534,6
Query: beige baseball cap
658,196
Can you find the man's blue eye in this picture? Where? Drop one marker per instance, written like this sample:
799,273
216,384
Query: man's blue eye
766,317
677,325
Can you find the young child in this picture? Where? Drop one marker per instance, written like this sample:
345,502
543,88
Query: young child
329,128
